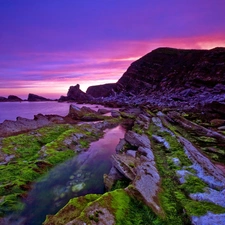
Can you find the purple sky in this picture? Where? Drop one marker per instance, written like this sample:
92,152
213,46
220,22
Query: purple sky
48,45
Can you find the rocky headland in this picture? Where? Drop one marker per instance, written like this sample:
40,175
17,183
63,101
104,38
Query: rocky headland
170,166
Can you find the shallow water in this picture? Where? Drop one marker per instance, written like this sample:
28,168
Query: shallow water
79,176
11,110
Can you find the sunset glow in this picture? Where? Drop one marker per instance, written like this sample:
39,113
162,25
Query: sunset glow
47,47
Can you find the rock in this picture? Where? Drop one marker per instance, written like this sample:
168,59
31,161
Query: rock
111,178
208,219
174,69
206,170
84,113
103,111
137,140
221,128
36,98
115,113
78,187
161,140
210,195
125,165
193,127
176,161
146,152
217,122
13,98
103,90
147,182
9,127
216,106
131,153
75,94
182,175
121,146
3,99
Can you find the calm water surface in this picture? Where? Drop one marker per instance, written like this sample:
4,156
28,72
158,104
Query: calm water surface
11,110
79,176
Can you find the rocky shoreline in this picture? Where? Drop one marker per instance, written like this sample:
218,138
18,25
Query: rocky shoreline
170,166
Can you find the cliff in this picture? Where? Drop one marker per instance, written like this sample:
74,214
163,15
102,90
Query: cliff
103,90
166,69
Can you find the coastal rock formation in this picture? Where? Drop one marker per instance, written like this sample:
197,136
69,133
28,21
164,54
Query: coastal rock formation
168,69
167,77
103,90
170,163
36,98
11,98
75,94
9,127
84,113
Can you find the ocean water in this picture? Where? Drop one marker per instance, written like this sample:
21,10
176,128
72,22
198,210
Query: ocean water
11,110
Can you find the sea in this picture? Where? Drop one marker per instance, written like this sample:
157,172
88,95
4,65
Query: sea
25,109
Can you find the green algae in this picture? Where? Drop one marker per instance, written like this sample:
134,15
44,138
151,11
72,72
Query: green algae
124,209
34,153
196,208
71,211
174,198
193,185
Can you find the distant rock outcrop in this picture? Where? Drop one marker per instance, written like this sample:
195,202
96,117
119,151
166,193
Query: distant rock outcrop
75,94
3,99
14,98
36,98
103,90
11,98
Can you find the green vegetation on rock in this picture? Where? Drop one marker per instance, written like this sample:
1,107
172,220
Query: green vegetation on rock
32,154
116,206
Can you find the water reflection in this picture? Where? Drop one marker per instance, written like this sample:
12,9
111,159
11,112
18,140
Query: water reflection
79,176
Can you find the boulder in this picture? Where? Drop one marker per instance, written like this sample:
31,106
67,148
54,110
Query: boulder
103,111
137,140
115,113
84,113
125,165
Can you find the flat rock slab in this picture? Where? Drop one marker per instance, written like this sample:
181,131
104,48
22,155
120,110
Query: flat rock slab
207,171
137,140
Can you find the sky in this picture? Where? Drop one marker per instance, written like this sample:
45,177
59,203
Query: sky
46,46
